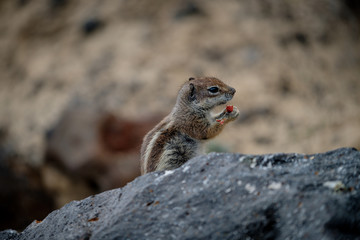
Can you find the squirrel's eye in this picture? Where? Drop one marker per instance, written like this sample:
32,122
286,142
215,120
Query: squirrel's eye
213,89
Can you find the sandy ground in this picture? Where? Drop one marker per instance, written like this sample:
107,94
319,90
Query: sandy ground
295,66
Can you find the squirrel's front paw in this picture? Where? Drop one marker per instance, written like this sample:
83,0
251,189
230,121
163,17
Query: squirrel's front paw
232,112
229,114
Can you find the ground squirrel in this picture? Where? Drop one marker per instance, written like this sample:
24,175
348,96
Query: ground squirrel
179,136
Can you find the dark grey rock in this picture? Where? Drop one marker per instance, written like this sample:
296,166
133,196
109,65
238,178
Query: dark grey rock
91,25
188,9
222,196
9,234
22,194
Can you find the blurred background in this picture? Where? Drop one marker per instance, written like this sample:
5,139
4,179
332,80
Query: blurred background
81,82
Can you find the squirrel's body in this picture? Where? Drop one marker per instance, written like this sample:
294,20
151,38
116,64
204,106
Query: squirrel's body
179,136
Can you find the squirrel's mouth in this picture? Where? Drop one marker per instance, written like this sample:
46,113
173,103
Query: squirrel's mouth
223,102
219,107
228,97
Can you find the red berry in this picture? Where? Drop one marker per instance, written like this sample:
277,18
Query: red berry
220,121
229,108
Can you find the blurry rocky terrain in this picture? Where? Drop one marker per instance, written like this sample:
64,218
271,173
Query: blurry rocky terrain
82,81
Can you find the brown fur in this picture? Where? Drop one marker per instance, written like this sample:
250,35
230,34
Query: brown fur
178,137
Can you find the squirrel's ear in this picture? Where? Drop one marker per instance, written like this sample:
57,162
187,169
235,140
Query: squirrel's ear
192,78
192,96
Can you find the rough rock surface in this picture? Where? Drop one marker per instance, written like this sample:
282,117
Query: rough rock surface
221,196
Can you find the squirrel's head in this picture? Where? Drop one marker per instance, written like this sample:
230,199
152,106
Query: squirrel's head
206,93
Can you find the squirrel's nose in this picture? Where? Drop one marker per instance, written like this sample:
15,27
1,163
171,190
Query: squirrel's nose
232,91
